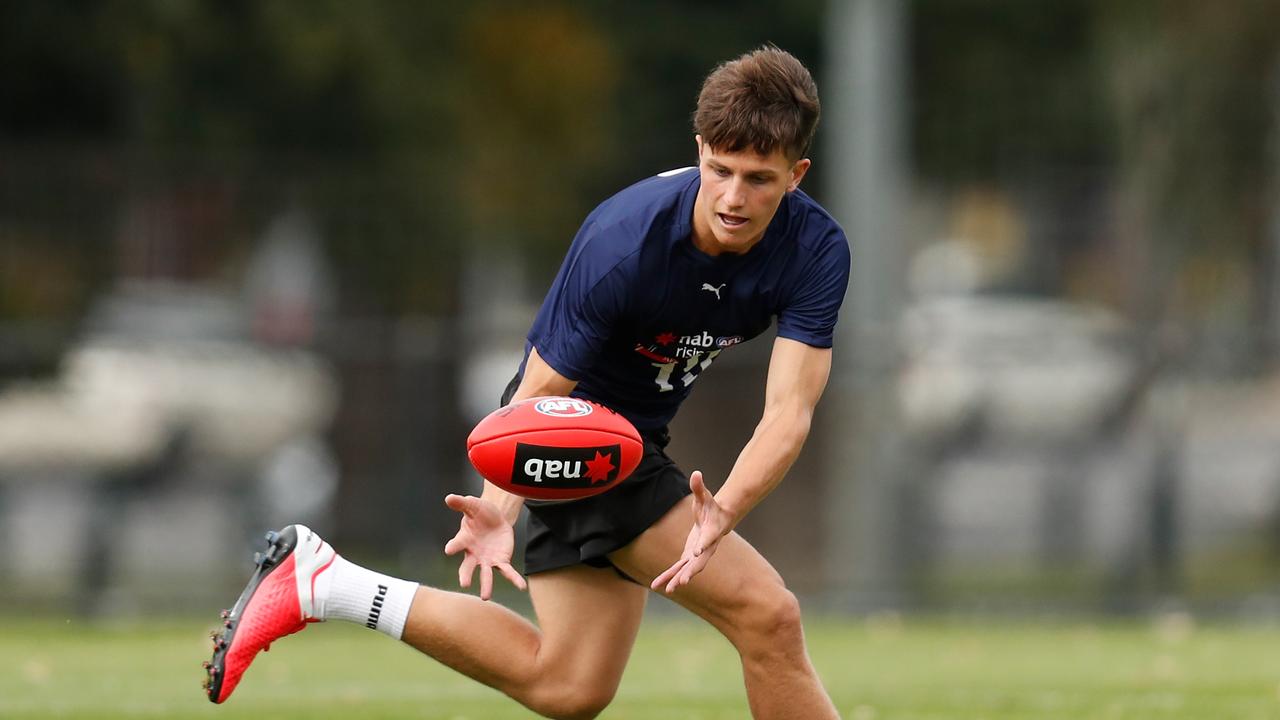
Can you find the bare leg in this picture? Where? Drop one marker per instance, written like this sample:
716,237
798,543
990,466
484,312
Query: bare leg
569,668
742,595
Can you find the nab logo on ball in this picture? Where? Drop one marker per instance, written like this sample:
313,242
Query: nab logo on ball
563,407
564,467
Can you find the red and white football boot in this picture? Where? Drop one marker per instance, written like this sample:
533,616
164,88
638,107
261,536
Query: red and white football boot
278,601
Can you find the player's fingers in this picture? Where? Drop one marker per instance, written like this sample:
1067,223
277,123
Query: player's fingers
486,581
466,570
464,504
673,580
666,575
512,576
699,487
686,574
674,584
469,505
680,578
453,546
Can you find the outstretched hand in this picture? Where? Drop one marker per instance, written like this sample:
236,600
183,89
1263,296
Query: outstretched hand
710,523
486,540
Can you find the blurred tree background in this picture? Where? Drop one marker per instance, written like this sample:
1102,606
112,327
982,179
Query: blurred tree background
499,124
491,123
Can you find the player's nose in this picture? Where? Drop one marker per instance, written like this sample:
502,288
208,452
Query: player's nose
734,195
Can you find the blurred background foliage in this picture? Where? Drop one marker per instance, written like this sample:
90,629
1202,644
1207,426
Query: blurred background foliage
491,123
500,124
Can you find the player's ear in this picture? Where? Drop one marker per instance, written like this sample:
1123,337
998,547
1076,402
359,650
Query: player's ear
797,173
698,139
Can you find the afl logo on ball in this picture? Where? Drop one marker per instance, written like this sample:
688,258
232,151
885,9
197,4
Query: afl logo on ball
563,407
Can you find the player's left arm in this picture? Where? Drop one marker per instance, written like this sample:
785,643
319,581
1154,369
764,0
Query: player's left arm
797,377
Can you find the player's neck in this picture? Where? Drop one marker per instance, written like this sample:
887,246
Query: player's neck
703,240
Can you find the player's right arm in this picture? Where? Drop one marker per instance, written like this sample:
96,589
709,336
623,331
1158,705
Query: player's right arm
485,536
576,317
539,380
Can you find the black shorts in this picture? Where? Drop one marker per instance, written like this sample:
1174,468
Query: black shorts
586,531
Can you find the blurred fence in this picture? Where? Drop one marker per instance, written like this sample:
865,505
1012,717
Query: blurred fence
1079,400
153,314
1046,460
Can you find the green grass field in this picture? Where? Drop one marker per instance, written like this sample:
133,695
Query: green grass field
875,670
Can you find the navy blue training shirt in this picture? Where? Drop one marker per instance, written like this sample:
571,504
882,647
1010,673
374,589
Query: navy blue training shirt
637,311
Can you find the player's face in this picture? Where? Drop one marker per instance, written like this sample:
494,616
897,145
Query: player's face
739,195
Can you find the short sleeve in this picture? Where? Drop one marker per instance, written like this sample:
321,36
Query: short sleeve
809,315
583,306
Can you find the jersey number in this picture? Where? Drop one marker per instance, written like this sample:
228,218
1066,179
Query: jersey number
692,368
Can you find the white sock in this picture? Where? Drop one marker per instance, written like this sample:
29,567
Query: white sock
349,592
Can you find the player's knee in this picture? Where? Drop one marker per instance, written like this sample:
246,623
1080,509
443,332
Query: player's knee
573,701
773,624
781,615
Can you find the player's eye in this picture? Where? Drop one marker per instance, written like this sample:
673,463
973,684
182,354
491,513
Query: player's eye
721,172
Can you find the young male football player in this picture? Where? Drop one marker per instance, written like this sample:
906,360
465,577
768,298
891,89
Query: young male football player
661,279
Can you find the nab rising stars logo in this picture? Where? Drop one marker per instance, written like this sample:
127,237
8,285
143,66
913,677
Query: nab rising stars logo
694,351
668,347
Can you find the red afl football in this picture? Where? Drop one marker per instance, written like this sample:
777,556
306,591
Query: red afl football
555,448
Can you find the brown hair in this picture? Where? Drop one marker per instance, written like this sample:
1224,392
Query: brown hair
763,100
